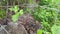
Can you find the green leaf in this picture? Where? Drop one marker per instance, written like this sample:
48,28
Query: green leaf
39,31
45,24
55,29
46,32
15,17
4,0
21,12
2,13
11,9
16,8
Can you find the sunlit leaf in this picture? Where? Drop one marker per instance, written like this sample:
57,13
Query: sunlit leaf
15,17
39,31
55,29
21,12
16,8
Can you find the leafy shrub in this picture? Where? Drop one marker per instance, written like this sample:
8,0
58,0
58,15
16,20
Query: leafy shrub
17,14
46,17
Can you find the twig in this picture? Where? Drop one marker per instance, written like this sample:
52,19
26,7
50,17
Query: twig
4,29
